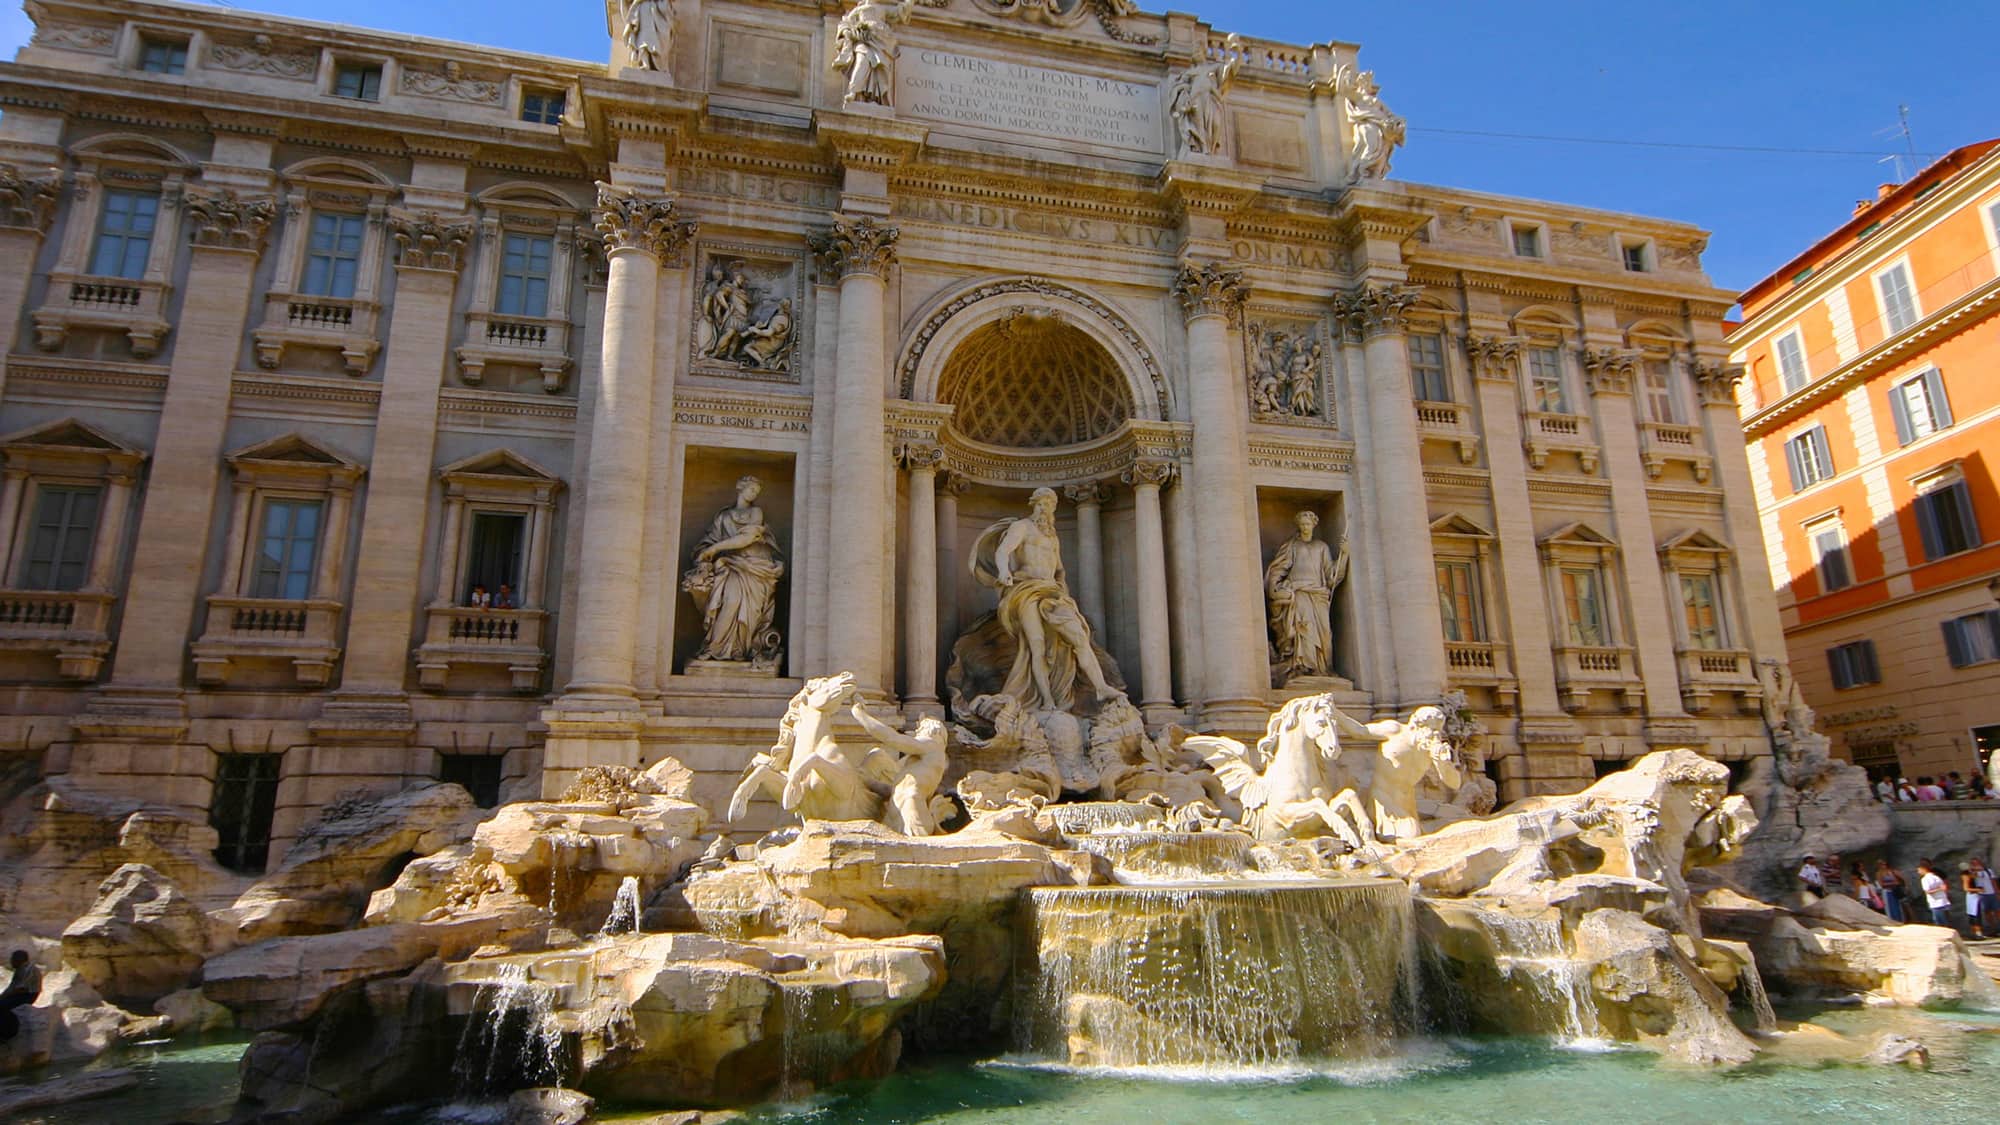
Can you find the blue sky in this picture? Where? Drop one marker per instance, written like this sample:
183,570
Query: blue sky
1752,73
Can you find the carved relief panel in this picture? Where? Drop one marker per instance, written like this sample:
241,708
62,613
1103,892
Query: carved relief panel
1287,363
748,314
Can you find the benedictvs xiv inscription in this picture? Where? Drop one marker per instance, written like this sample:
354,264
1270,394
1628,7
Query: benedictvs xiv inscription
963,90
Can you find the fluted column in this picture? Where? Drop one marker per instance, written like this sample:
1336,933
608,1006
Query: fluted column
640,235
167,562
860,252
1409,580
920,630
1087,576
1237,678
1156,672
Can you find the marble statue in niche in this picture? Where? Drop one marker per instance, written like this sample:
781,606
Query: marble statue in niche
865,49
1022,559
1299,585
734,582
1377,132
1196,107
649,34
1285,373
742,320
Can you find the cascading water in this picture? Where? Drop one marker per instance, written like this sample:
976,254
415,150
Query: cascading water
511,1040
1220,974
624,916
1143,856
1531,952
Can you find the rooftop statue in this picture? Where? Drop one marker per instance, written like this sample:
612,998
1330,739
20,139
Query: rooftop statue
865,49
1197,101
649,34
1377,132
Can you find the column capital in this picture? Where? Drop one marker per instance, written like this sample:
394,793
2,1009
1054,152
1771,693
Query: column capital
224,219
856,245
953,484
1608,371
921,456
27,202
1716,380
1493,357
1210,290
426,241
1088,492
1376,309
626,220
1150,473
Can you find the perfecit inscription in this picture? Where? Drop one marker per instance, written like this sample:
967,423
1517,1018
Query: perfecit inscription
965,90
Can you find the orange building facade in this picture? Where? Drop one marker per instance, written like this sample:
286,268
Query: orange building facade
1872,412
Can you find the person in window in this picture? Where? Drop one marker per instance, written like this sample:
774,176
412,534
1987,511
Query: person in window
22,990
1811,879
505,598
480,599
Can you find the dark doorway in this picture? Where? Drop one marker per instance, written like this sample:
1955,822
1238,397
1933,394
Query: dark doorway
246,794
478,773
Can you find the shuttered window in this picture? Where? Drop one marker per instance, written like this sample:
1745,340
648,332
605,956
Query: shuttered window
1853,664
1919,407
1972,639
60,540
1944,519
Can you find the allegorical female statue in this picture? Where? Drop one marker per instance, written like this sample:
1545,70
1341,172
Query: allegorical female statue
1299,584
865,48
649,33
735,582
1196,105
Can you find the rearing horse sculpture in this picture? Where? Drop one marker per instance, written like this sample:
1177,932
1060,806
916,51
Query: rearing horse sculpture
1282,783
807,770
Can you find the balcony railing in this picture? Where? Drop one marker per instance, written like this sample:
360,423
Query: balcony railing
104,303
1451,422
1706,671
458,640
1582,669
538,342
242,633
344,324
1548,433
74,625
1661,443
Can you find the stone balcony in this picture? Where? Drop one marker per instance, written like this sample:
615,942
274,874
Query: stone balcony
459,640
1482,664
1662,442
1582,669
115,304
1545,433
1706,671
74,626
528,341
1449,422
344,324
243,633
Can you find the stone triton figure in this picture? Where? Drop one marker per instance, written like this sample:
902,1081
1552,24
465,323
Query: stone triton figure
1299,584
735,580
1022,559
865,49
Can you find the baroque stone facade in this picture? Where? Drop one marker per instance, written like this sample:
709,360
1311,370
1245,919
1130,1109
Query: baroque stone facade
365,408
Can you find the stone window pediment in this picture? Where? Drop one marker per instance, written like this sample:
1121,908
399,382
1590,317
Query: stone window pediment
527,238
499,512
342,310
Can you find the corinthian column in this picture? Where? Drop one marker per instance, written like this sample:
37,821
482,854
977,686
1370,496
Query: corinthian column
1232,595
640,235
1409,580
1156,672
1087,577
920,608
860,252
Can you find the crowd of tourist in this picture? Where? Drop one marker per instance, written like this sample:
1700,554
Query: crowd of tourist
1954,786
1886,891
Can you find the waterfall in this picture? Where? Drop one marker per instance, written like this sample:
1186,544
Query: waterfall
516,1044
624,917
1097,816
1144,856
1223,974
1530,951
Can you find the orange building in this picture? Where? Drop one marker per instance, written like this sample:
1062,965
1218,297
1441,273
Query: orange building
1872,413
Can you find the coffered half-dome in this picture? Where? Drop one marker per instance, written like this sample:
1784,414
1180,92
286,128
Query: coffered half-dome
1034,381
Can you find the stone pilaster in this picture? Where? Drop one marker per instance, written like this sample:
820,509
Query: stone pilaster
27,205
921,460
1087,576
1156,673
1409,581
949,488
1609,374
1715,383
1238,674
382,610
860,252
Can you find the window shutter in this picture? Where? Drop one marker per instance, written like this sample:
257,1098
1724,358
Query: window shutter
1792,452
1961,499
1824,468
1899,409
1836,663
1927,526
1993,626
1934,390
1871,671
1954,645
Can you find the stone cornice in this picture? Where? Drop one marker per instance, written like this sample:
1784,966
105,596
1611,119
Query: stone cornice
1202,189
855,245
1956,317
859,140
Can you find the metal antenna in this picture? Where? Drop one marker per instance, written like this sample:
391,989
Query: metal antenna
1901,128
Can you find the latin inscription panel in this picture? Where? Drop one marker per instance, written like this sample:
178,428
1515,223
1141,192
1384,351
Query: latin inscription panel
955,89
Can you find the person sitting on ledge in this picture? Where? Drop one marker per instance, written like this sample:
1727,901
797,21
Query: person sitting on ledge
480,599
22,989
505,598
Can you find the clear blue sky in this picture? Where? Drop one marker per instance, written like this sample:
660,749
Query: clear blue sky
1754,73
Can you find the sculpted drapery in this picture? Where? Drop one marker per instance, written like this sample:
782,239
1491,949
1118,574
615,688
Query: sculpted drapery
735,580
1299,584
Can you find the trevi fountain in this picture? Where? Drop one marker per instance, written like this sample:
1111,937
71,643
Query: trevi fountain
1312,861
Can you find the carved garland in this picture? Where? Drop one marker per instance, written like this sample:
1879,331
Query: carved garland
224,219
626,220
921,342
